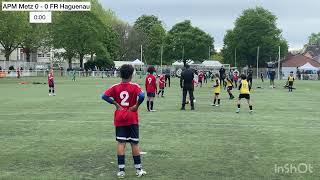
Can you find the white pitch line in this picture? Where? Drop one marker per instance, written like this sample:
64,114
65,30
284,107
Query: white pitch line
175,123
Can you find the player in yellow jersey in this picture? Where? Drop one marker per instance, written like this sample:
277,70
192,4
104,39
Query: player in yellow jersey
229,87
290,81
244,88
216,90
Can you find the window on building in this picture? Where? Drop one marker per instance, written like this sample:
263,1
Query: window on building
48,55
40,55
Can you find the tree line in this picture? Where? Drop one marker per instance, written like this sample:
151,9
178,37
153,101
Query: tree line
106,38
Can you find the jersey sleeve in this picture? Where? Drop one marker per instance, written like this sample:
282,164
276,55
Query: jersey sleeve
109,92
138,90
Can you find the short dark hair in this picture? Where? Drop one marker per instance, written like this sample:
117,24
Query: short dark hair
243,76
126,71
151,69
187,66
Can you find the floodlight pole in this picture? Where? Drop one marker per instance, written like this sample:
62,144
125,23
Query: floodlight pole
279,64
141,53
235,57
161,57
258,51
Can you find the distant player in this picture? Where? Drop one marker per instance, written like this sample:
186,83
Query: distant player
151,88
127,97
51,83
262,77
244,88
74,75
235,78
229,87
216,90
200,78
162,84
290,81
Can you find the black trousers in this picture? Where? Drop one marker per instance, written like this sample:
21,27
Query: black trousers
250,81
184,97
167,79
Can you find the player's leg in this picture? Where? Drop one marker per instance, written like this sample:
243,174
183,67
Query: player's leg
238,104
191,99
134,140
162,92
184,96
214,99
148,102
249,103
121,136
50,91
218,97
152,102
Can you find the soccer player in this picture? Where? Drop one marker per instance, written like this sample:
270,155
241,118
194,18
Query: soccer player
74,75
244,88
216,90
151,88
200,78
126,97
162,82
290,81
51,83
235,78
229,87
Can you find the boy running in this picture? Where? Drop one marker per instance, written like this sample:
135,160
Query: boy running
229,87
244,88
162,83
151,88
290,81
51,83
127,97
216,90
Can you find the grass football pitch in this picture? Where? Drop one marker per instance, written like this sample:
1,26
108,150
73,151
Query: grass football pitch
71,135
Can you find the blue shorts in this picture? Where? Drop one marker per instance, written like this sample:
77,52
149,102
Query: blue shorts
128,134
151,94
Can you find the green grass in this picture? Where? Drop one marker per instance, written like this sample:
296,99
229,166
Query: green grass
71,136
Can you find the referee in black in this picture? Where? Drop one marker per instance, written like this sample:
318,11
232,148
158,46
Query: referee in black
186,85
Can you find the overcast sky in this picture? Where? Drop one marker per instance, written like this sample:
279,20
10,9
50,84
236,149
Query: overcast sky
297,18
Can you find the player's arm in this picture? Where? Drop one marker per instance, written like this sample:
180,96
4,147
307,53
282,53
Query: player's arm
217,83
239,86
141,97
181,80
110,100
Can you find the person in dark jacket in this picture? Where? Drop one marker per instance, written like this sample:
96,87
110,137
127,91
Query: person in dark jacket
186,84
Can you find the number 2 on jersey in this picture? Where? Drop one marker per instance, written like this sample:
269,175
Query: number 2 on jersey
124,95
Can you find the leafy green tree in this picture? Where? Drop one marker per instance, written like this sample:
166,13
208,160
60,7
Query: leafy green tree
314,38
217,57
255,27
184,41
154,34
78,33
12,30
37,35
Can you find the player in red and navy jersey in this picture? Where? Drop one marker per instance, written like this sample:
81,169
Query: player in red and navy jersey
200,78
162,82
51,83
127,97
151,88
